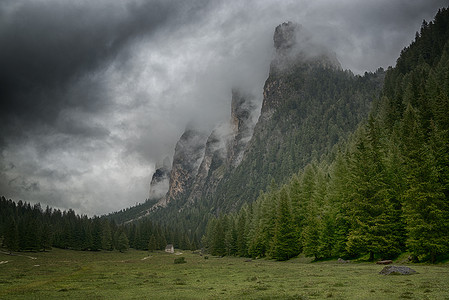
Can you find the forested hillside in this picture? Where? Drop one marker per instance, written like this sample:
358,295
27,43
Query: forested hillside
316,107
384,192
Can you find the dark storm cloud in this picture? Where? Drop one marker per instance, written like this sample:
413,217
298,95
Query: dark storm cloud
48,45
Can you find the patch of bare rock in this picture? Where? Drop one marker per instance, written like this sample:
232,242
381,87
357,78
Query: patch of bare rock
397,270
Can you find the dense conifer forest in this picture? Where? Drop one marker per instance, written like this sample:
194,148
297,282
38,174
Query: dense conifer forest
384,192
26,227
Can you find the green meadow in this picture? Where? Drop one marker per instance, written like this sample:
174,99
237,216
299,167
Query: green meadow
66,274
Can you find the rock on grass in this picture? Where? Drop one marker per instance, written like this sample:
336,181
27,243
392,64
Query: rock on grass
397,270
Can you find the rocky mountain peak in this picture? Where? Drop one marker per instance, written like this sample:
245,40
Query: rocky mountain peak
298,53
285,35
295,45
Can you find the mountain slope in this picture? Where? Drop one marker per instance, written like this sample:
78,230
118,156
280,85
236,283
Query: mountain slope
310,104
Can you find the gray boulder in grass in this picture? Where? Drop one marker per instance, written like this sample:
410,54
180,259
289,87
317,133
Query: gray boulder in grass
397,270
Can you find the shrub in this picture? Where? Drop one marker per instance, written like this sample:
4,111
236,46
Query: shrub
180,260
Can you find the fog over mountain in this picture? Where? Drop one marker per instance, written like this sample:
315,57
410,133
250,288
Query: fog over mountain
94,94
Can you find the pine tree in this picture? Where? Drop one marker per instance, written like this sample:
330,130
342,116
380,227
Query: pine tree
262,225
218,232
230,238
303,201
426,202
46,237
312,231
242,231
372,213
311,237
152,246
106,241
162,242
285,242
138,238
96,234
86,234
122,242
338,213
11,240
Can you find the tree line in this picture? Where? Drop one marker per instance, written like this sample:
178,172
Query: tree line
383,192
26,227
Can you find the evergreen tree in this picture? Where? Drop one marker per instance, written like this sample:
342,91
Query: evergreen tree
138,238
230,236
242,231
152,245
426,199
337,215
46,237
373,214
96,234
217,246
106,241
285,242
162,242
263,223
11,236
312,238
122,242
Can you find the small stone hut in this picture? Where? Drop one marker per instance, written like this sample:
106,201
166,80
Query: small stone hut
169,248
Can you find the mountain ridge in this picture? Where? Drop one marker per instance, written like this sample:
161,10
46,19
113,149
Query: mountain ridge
295,112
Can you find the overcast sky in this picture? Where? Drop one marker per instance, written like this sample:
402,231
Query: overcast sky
94,94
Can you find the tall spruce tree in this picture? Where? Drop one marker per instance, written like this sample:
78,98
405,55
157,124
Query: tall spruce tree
152,245
313,219
426,202
339,190
242,231
11,236
106,241
122,242
373,214
285,241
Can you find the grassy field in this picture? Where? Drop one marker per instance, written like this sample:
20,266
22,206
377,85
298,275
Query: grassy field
60,274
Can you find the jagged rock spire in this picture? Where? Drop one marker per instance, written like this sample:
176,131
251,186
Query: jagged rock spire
285,35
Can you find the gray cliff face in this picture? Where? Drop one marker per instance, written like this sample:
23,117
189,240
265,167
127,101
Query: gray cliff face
160,181
242,125
225,147
211,169
189,152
